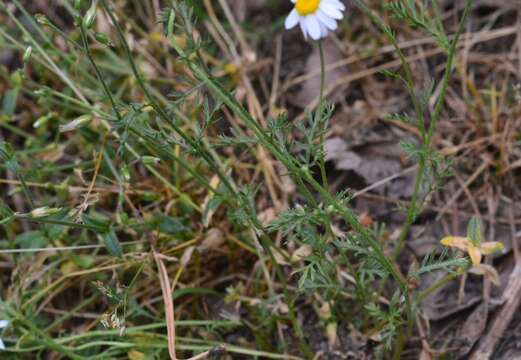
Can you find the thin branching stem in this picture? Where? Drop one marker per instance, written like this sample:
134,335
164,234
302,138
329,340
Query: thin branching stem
319,116
413,206
159,110
409,78
346,213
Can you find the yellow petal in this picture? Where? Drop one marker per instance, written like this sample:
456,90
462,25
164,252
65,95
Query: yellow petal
456,241
491,247
474,253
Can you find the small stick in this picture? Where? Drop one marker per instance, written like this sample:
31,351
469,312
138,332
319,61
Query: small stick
511,298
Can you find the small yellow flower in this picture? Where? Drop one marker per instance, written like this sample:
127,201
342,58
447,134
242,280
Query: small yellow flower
475,251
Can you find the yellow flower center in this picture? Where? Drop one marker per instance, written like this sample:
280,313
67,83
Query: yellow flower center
306,7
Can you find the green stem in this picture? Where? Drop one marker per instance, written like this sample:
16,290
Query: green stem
412,210
159,110
409,79
42,338
44,220
411,213
294,168
87,52
192,143
319,117
185,165
448,70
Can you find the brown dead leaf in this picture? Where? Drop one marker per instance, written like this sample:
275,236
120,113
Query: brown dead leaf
424,239
487,271
51,153
267,216
373,163
373,153
302,252
473,328
310,88
213,240
279,258
187,255
286,184
445,301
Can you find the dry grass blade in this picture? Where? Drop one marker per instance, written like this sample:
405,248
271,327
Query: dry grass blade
166,290
168,302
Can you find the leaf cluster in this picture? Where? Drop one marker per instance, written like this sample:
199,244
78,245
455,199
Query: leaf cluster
417,14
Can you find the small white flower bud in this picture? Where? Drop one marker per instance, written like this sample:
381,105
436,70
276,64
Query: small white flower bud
43,211
150,160
27,54
76,123
90,16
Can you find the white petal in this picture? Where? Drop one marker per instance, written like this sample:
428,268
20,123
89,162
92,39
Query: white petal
323,30
336,3
312,26
330,23
303,28
292,19
331,10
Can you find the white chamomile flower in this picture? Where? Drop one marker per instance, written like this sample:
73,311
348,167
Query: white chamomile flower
3,324
315,17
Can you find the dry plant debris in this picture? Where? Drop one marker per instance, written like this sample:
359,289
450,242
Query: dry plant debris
176,182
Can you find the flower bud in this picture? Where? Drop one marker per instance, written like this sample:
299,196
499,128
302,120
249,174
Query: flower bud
42,19
90,16
27,54
150,160
300,209
43,91
43,211
76,123
103,39
125,173
42,120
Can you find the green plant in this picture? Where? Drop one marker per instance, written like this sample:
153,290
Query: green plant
161,134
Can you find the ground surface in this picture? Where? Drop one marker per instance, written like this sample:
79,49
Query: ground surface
217,277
